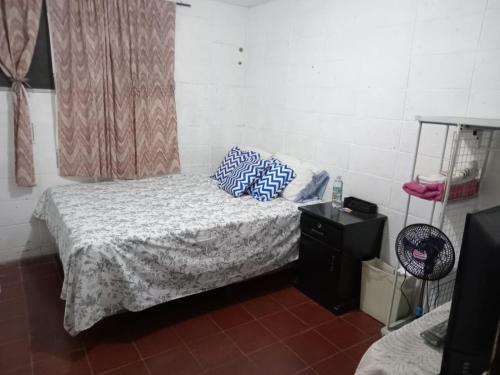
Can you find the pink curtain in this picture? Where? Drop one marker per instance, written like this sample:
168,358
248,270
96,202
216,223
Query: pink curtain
114,75
19,21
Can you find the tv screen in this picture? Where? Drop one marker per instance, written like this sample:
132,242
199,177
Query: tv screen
475,308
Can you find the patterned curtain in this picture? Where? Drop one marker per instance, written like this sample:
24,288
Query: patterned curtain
19,20
114,75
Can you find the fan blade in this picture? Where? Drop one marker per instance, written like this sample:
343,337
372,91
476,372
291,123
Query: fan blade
408,243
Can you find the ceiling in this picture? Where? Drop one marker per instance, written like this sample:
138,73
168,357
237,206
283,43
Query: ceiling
245,3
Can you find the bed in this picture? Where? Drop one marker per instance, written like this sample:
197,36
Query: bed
404,351
130,245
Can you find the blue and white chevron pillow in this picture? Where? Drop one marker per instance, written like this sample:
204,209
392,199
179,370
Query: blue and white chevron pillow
244,175
234,157
273,182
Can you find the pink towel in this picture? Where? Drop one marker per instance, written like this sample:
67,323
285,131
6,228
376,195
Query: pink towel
430,192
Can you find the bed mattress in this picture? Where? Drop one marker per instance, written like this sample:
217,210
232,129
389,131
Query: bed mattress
130,245
404,351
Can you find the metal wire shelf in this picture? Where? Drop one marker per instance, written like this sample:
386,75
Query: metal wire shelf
469,149
466,147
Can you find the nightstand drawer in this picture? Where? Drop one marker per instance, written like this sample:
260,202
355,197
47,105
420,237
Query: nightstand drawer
321,230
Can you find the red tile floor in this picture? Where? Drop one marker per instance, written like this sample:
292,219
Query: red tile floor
263,326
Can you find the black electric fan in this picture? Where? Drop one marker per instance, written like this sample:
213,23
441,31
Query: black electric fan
425,252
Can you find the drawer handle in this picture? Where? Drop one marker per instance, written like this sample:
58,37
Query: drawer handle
332,263
318,232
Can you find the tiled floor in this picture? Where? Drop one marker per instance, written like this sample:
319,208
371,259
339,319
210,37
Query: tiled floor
264,326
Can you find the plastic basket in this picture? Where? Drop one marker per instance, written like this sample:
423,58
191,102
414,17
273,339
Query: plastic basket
467,190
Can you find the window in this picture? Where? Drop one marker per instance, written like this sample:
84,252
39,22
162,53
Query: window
40,73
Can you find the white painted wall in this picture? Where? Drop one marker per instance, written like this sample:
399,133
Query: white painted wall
20,234
334,82
338,83
210,83
209,93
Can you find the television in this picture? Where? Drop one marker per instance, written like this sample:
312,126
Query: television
475,308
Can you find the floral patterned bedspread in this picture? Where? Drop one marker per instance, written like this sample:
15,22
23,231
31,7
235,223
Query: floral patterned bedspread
403,351
130,245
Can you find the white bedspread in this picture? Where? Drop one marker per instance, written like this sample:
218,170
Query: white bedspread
404,352
134,244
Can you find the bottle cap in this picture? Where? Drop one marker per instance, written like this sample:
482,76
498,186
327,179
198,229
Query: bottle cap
419,311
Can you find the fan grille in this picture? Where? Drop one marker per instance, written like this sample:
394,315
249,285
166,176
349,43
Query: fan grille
425,252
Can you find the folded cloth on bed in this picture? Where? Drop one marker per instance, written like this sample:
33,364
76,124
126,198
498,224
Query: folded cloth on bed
431,192
314,189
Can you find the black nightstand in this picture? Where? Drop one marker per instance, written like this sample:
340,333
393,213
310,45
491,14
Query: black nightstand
332,245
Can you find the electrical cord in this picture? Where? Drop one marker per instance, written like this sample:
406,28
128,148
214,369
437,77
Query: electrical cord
403,293
426,291
437,295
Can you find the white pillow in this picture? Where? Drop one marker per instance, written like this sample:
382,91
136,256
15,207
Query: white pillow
304,174
264,155
315,170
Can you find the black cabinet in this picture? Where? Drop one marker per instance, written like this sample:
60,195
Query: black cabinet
332,245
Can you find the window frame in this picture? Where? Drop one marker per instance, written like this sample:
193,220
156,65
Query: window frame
41,73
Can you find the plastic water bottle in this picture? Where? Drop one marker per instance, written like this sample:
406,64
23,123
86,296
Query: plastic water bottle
338,186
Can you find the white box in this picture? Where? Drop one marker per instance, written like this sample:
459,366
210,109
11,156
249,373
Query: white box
377,282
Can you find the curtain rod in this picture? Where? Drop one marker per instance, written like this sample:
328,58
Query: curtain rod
181,4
